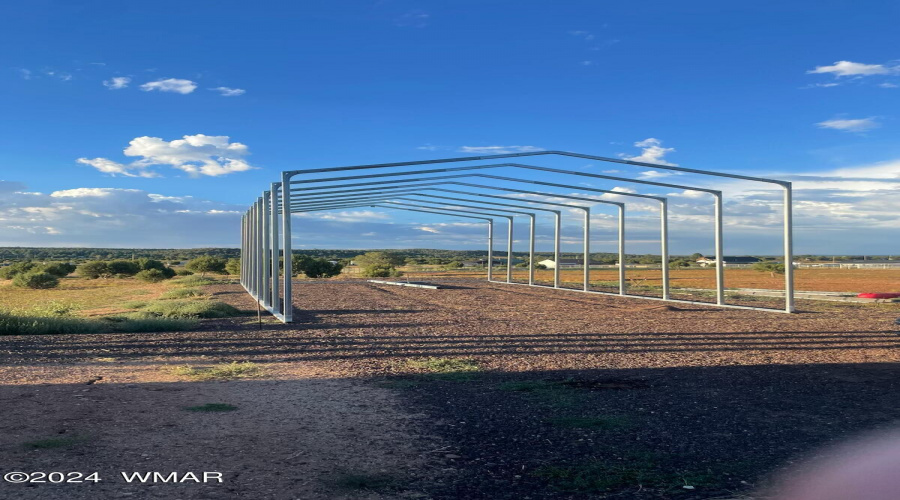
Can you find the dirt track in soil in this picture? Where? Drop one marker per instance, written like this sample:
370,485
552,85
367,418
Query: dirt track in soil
323,396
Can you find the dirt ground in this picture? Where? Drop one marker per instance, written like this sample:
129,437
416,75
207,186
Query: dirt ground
560,395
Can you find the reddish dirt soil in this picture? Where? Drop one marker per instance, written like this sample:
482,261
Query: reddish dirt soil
339,398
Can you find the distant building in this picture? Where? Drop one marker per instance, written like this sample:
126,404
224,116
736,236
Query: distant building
734,261
563,263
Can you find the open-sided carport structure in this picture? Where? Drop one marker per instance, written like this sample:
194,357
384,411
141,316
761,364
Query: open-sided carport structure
266,229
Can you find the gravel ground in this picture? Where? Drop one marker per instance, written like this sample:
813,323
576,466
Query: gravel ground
569,395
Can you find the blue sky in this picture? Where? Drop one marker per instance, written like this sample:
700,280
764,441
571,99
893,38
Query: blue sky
93,94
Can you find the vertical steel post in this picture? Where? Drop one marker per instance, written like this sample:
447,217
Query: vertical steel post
556,238
490,257
241,274
286,245
531,252
276,304
509,251
720,262
788,249
252,250
260,254
266,248
622,283
587,249
664,245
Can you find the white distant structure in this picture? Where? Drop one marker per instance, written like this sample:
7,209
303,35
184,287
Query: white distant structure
734,261
563,263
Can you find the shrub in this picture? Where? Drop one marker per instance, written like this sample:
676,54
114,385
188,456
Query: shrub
379,264
206,264
772,268
191,309
30,325
10,272
318,268
149,264
183,272
94,269
124,268
36,280
59,269
151,275
233,267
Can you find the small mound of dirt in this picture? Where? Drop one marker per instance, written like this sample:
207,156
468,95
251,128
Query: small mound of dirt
604,384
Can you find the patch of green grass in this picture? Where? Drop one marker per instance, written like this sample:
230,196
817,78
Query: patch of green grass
183,293
446,368
54,442
604,422
367,482
192,281
609,475
222,371
26,325
212,407
191,309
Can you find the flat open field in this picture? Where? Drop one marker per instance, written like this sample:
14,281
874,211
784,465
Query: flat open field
474,391
809,279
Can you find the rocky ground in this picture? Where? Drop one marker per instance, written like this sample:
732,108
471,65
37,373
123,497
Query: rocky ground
473,391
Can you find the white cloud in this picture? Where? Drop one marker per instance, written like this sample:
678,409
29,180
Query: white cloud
26,73
200,154
848,68
170,85
887,85
58,74
584,35
112,217
117,82
651,152
851,125
113,168
228,91
427,229
428,147
498,150
415,18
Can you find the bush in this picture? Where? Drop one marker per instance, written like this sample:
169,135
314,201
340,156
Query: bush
379,264
10,272
194,281
36,280
206,264
150,264
94,269
59,269
315,268
183,272
233,267
124,268
772,268
191,309
151,275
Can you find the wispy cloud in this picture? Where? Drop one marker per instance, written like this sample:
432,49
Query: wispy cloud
25,73
850,125
848,68
583,35
210,155
91,216
498,150
175,85
228,91
117,82
651,152
415,18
